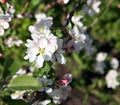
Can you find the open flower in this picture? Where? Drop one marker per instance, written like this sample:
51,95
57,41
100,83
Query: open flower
92,7
40,50
12,41
111,79
76,20
77,39
65,1
43,23
3,25
101,56
17,94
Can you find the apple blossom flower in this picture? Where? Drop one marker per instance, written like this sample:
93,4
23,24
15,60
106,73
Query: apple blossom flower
40,50
76,20
92,7
77,40
61,93
111,79
3,25
65,1
114,63
5,18
100,62
10,9
17,94
101,56
40,16
13,41
43,23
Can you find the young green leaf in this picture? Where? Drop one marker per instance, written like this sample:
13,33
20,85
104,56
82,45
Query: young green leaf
24,82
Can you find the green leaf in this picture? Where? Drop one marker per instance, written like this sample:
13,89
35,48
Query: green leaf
59,33
24,82
8,62
14,67
45,70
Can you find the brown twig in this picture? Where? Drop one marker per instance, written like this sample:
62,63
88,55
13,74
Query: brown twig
69,16
24,9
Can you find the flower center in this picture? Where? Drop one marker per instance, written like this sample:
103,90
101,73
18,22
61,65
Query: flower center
41,51
41,28
77,38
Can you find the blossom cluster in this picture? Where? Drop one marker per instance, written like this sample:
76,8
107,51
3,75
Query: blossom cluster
112,74
58,93
44,46
13,41
6,17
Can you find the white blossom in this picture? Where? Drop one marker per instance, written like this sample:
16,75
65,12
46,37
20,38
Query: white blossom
101,56
65,1
76,20
13,41
111,79
114,63
78,39
17,94
40,50
43,23
92,7
3,25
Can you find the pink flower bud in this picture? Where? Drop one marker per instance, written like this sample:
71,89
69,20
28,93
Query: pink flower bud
66,79
1,55
3,1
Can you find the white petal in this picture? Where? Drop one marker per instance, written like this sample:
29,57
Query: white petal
66,1
1,31
60,58
43,43
39,61
46,23
45,102
5,24
75,30
48,90
47,56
